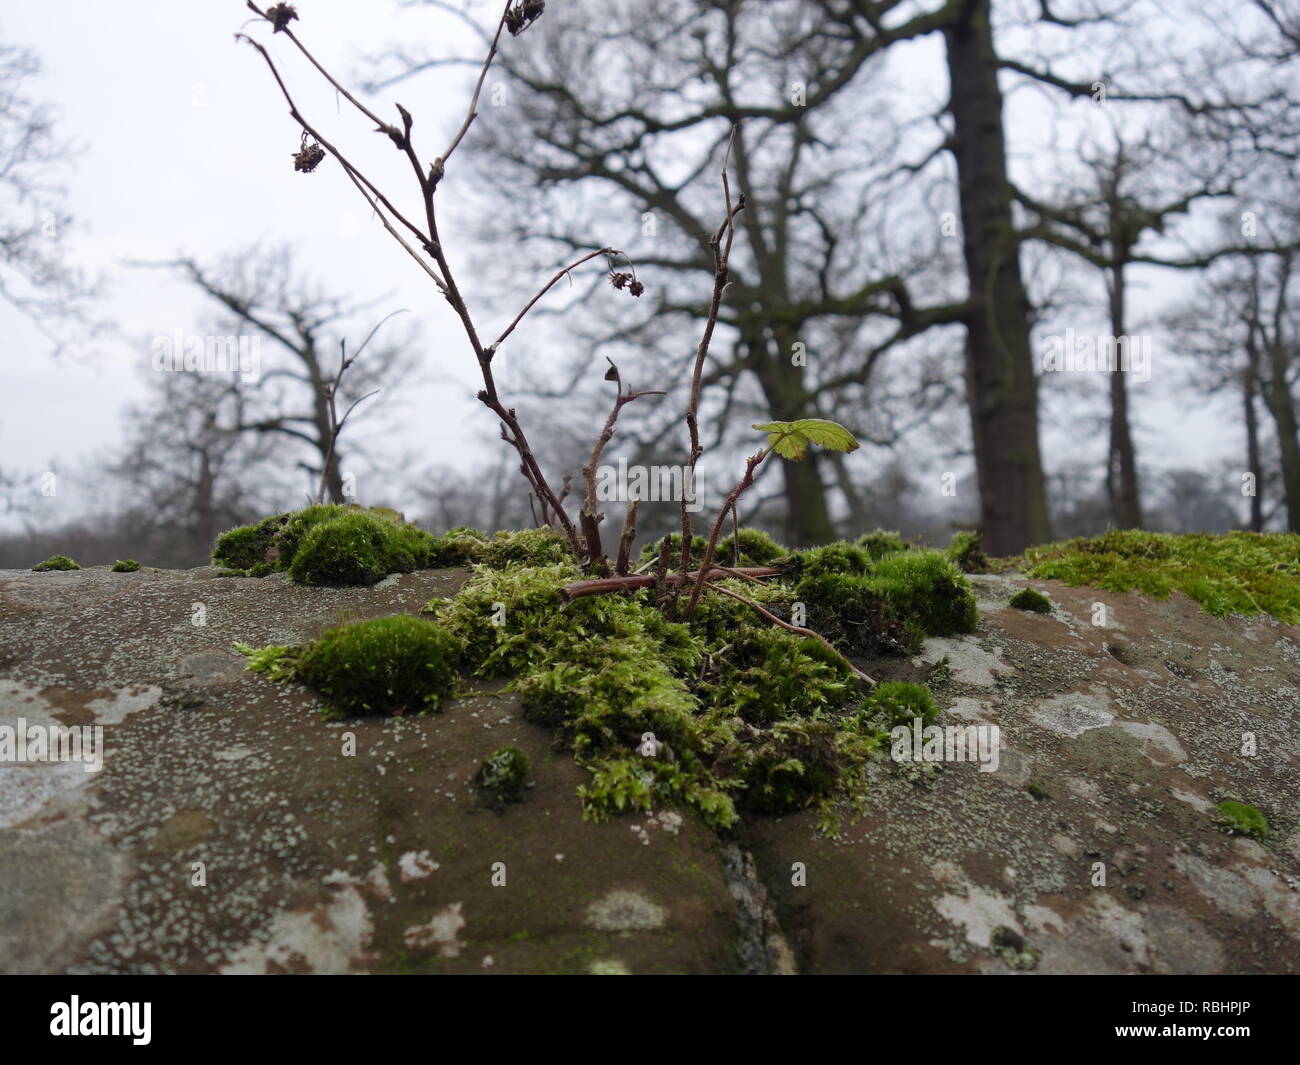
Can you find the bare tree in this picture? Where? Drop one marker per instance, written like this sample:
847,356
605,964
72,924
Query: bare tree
187,469
1241,330
816,295
310,383
36,276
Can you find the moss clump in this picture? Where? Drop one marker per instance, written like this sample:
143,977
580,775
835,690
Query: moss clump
381,666
362,546
1242,819
939,673
501,778
802,763
457,547
855,615
506,618
55,562
298,524
867,606
768,675
609,671
756,548
718,712
129,565
357,548
928,590
528,547
967,552
699,544
1012,948
1031,599
881,543
719,618
276,661
1236,573
897,702
837,559
249,546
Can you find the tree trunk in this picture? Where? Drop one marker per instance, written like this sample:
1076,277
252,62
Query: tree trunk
205,517
1002,391
1282,407
1249,387
807,517
1121,467
324,429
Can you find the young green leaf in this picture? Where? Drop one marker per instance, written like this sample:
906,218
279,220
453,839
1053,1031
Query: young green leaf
790,440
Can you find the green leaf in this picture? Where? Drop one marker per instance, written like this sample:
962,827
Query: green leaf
790,440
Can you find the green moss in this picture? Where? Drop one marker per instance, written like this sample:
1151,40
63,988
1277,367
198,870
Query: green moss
798,764
719,618
838,559
603,697
881,543
1236,573
55,562
855,615
897,702
501,778
650,552
1012,948
362,546
1242,819
607,671
504,617
757,548
276,661
940,673
967,553
1038,789
129,565
381,666
296,527
768,675
457,547
357,548
722,711
1031,599
529,547
926,588
249,545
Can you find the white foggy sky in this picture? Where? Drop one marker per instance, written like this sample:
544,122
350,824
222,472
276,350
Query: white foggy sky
186,148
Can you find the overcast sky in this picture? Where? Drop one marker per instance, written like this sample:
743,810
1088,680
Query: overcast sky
185,147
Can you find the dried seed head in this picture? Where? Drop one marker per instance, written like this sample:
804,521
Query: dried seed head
523,15
622,280
309,158
281,15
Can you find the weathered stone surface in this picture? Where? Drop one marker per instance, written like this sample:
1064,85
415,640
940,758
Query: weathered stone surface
1127,759
312,860
230,832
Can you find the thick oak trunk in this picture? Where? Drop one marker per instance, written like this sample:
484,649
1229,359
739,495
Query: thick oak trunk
1002,391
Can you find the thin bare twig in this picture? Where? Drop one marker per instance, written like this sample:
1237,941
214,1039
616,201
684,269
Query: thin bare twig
721,244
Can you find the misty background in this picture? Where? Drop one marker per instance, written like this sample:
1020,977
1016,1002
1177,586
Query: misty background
151,191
